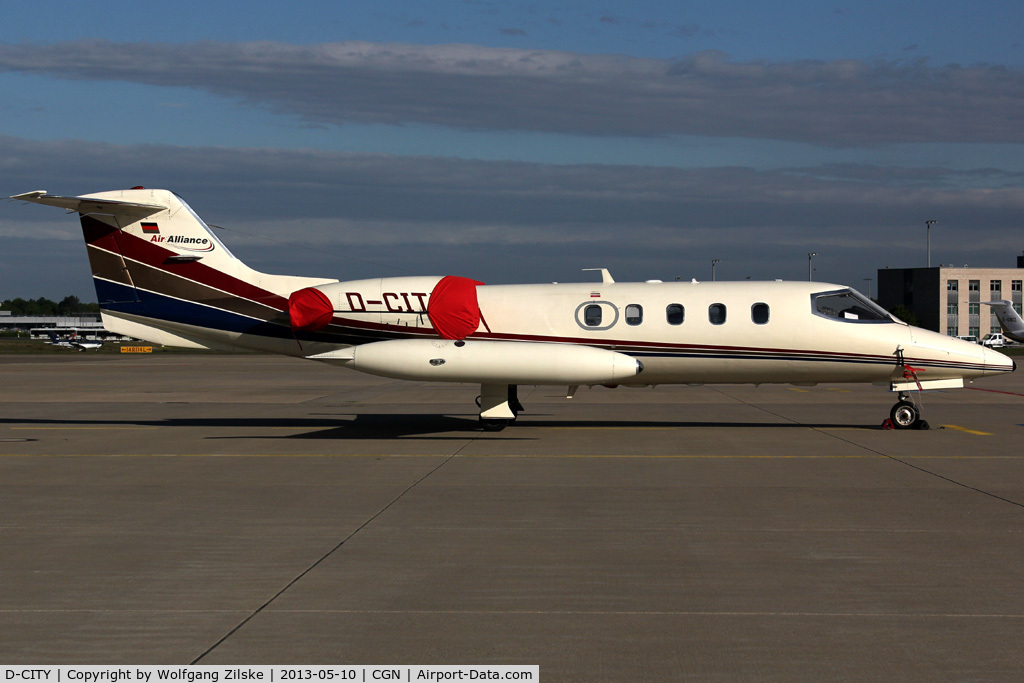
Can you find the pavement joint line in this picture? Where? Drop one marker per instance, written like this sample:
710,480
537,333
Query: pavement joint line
330,552
471,612
624,429
683,613
905,460
638,456
72,428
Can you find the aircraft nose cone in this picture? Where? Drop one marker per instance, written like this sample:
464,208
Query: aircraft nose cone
997,363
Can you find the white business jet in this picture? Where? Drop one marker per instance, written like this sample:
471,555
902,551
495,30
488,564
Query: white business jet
163,276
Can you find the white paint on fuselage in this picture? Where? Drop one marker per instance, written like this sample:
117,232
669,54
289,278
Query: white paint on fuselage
795,345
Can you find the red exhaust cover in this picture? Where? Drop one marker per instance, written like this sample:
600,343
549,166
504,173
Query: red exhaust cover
309,310
453,307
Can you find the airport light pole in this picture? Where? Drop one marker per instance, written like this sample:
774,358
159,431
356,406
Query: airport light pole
868,280
928,231
810,266
714,262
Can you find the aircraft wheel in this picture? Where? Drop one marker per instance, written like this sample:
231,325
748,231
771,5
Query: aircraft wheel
905,415
493,425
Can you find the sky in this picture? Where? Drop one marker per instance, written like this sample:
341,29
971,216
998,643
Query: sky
522,142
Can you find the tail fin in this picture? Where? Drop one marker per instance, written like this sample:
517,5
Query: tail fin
1009,319
163,276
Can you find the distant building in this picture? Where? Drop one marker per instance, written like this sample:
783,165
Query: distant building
949,299
86,326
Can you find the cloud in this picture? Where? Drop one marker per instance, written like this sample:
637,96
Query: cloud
364,215
259,184
842,103
686,30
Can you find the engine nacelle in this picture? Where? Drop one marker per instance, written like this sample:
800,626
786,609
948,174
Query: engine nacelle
487,362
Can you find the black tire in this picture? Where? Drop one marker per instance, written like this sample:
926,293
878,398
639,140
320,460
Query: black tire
491,425
905,415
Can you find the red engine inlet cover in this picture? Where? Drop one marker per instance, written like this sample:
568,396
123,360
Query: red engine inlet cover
309,310
453,308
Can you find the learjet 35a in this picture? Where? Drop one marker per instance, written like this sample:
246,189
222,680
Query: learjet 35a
162,275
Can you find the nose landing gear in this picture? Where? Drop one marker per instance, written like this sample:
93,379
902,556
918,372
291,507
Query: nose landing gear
905,415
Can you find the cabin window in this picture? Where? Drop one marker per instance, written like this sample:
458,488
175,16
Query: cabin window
674,314
716,314
634,314
849,306
759,313
595,316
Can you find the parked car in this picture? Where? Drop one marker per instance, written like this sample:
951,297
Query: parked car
994,340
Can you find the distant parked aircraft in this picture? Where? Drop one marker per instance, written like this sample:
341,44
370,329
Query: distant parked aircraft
1009,319
74,342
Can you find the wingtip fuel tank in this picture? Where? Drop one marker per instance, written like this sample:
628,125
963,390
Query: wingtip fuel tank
445,360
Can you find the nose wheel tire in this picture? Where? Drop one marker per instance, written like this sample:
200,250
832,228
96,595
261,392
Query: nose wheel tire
905,415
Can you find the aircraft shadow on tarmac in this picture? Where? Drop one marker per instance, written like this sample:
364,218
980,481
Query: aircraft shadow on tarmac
421,426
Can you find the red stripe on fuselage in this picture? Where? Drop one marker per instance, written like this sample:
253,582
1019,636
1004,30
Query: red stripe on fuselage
627,346
152,254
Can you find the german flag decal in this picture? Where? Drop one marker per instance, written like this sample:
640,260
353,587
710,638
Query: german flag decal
150,228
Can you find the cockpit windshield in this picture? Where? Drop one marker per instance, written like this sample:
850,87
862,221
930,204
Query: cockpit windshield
849,306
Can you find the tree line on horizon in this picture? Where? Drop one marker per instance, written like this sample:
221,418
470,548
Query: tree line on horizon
67,307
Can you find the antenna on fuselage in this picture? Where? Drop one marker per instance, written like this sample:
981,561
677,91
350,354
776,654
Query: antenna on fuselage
606,277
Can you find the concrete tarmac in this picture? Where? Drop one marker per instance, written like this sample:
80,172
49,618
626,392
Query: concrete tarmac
171,509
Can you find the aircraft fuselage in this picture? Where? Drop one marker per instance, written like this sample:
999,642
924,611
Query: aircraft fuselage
682,332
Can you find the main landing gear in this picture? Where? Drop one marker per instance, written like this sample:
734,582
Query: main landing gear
905,415
499,405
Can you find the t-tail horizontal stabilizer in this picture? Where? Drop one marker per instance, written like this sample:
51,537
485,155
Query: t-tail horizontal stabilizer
132,211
